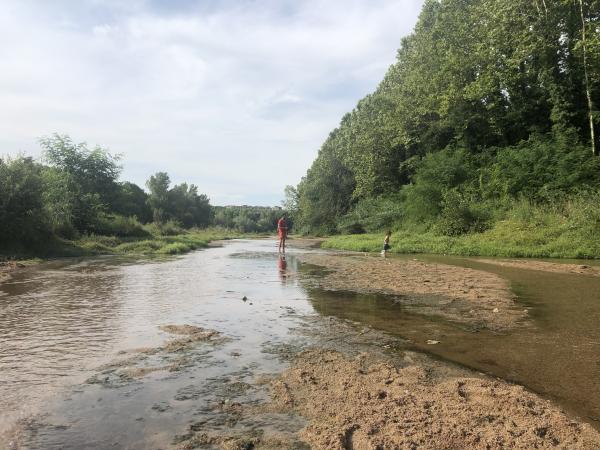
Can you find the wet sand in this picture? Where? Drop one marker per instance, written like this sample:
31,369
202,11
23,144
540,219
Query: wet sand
545,266
7,267
365,402
459,294
356,392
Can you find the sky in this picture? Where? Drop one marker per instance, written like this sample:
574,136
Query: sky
233,96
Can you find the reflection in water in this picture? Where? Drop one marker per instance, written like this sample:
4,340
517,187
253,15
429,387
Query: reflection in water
282,266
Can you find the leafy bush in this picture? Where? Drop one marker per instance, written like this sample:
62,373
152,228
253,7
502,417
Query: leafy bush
22,215
541,168
460,216
168,228
437,173
117,225
371,215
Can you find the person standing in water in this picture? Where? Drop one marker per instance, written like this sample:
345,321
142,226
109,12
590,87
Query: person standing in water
386,243
282,232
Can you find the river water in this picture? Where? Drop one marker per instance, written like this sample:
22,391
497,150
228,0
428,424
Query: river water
67,328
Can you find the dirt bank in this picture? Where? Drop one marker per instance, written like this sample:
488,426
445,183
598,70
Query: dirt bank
545,266
304,243
459,294
7,267
363,402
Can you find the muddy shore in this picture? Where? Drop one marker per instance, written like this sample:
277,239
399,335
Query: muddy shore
8,267
356,392
463,295
545,266
365,402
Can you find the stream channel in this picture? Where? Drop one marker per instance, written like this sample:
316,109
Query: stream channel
72,330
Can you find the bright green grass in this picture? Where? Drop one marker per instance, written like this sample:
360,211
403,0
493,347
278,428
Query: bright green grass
508,238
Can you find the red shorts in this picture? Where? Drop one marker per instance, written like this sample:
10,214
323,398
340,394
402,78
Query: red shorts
282,234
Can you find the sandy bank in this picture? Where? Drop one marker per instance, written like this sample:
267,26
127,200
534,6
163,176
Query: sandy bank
363,403
304,243
7,267
459,294
545,266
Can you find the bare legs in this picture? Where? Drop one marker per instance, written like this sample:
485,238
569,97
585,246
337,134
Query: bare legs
282,244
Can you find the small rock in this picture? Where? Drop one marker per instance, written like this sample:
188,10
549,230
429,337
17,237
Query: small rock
583,266
432,342
496,310
244,298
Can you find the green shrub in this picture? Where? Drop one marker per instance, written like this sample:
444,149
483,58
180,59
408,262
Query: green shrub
175,248
117,225
168,228
370,215
23,219
459,216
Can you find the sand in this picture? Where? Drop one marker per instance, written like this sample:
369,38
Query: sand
545,266
366,403
459,294
7,267
139,363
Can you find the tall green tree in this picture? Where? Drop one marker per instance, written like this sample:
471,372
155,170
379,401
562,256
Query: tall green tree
22,215
158,199
88,175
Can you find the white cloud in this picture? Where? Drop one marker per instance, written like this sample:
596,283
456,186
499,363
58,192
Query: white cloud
233,96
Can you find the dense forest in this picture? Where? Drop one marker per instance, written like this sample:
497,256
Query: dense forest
489,113
75,191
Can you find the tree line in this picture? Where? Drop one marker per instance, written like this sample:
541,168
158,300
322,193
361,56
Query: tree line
75,190
488,102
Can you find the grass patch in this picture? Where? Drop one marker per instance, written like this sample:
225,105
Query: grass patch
152,244
507,238
569,228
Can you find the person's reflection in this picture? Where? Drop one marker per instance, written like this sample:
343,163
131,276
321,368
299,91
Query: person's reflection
282,265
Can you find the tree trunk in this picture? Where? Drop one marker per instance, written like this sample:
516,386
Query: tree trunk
587,81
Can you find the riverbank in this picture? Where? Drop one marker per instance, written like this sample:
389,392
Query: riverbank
367,401
508,238
474,298
95,245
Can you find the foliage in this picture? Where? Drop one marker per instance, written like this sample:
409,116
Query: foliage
158,199
371,215
569,229
486,106
117,225
132,200
87,176
181,203
22,215
77,194
248,219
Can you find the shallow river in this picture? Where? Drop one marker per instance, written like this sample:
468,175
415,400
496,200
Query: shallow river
64,327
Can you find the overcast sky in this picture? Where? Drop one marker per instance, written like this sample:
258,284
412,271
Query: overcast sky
234,96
